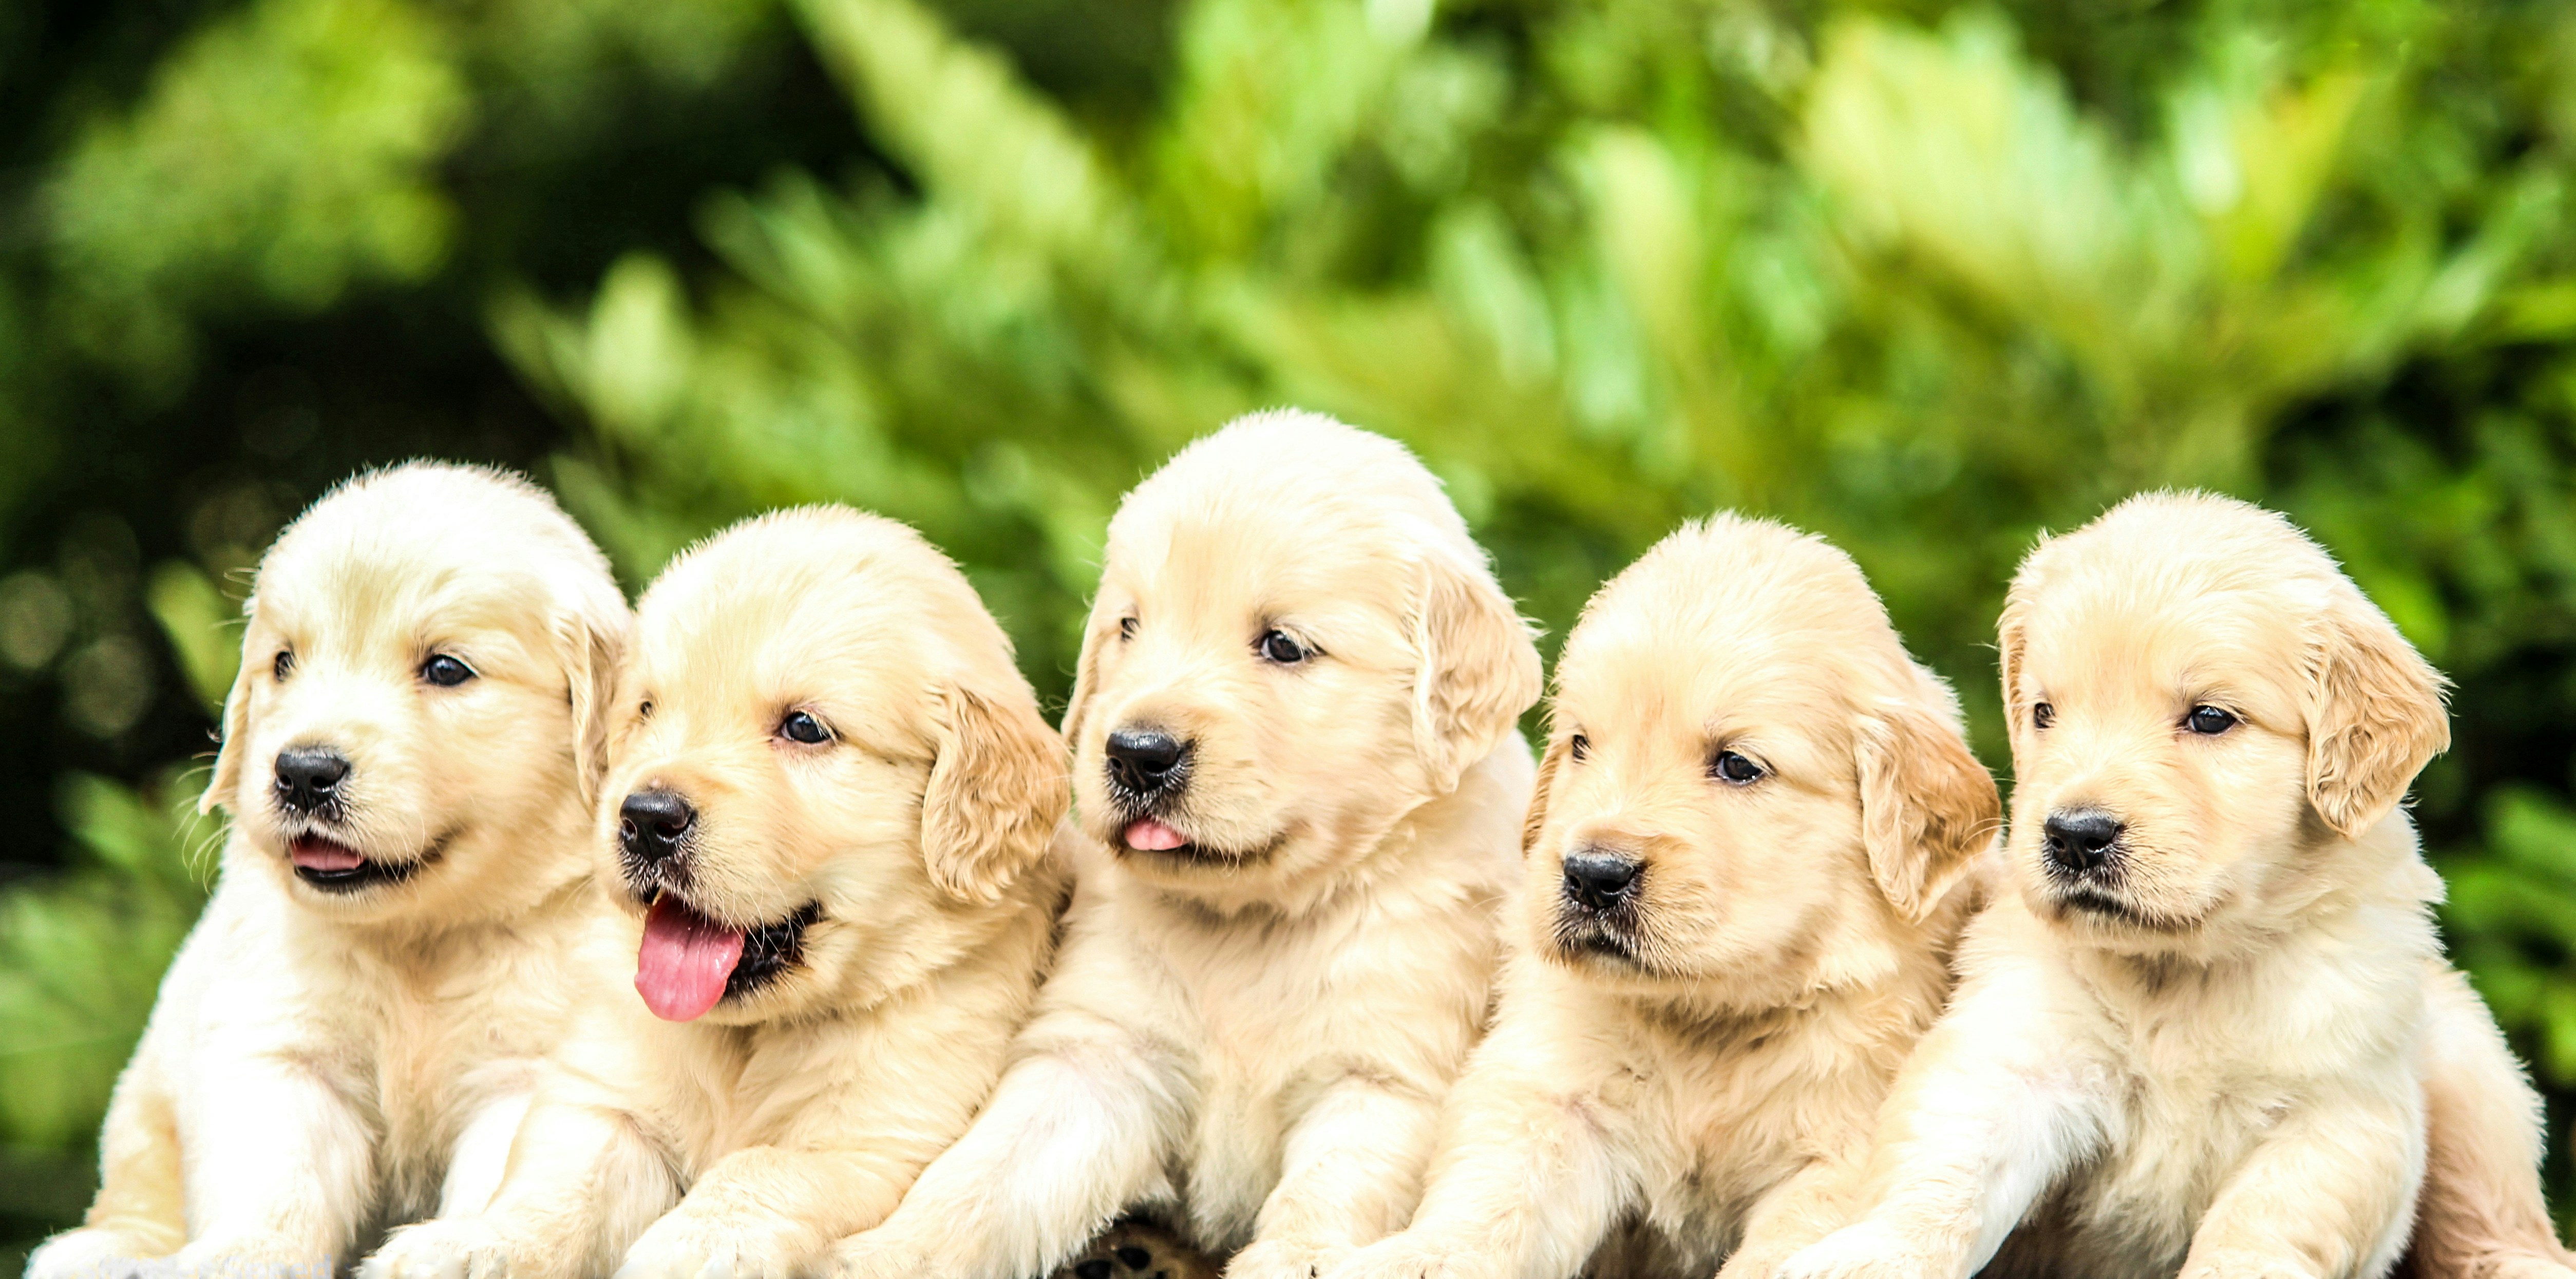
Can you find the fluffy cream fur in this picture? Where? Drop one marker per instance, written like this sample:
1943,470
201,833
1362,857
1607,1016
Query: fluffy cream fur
1250,1035
323,1061
2210,1055
917,835
1691,1068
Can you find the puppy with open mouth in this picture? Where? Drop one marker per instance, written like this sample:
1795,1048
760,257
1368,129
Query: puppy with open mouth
1296,765
353,1029
830,813
1757,833
2213,1034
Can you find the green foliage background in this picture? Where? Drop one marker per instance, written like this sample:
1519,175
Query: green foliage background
1928,278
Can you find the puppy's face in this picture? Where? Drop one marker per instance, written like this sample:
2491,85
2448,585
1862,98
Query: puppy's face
825,765
2200,702
1748,781
1276,671
423,652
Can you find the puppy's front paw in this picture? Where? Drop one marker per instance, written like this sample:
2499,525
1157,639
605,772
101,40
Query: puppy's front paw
452,1248
1285,1259
1409,1256
688,1245
1856,1252
89,1253
881,1254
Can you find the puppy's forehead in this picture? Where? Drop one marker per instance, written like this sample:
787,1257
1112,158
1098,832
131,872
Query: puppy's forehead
423,548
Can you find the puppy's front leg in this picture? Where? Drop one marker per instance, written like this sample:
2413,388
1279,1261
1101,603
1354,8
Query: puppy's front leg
1349,1175
279,1171
769,1210
1070,1136
582,1184
2329,1194
139,1211
1806,1207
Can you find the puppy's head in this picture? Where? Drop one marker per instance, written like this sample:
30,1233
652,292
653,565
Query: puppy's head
1295,643
2200,702
826,771
1750,791
428,651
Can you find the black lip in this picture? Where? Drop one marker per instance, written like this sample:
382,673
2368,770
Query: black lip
368,873
770,950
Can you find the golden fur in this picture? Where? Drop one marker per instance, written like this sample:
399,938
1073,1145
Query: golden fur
325,1060
1691,1070
2207,1051
917,836
1248,1036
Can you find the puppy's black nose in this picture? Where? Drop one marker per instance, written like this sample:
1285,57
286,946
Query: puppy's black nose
307,776
2079,840
652,823
1145,761
1598,880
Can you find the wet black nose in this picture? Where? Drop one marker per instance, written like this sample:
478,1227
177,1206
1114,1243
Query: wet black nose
2079,840
308,776
652,823
1146,761
1598,880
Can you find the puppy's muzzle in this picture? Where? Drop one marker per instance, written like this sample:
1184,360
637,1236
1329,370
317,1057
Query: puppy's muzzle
653,826
1147,766
308,779
2080,841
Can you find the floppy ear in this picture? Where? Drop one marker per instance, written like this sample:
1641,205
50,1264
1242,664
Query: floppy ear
2009,631
1084,678
229,748
2375,717
1475,669
591,650
1927,807
996,792
1536,821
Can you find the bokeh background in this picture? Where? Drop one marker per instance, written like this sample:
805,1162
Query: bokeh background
1927,278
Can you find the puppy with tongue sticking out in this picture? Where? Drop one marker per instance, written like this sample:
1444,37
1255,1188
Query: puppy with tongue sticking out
829,827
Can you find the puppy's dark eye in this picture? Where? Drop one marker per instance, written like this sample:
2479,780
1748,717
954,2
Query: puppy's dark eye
644,709
1280,647
2208,721
1126,628
1579,746
445,671
2042,715
285,663
1734,769
802,727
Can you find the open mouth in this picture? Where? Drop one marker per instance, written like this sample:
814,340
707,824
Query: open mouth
688,963
1152,835
334,867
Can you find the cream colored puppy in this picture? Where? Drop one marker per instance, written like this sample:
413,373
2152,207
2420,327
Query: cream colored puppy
350,1034
833,798
1757,833
1298,775
2199,1039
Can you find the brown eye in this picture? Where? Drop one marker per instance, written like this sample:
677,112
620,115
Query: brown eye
1734,769
800,726
1282,648
2042,715
285,663
1579,746
644,709
445,671
1126,628
2208,721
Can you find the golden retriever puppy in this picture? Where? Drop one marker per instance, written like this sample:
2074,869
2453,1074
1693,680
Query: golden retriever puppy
832,802
1296,766
1757,833
350,1034
2199,1039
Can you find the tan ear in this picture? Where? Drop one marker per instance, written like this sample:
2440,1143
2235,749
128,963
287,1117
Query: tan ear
1475,669
2375,717
1536,820
592,650
1928,808
229,748
2009,632
996,792
1084,679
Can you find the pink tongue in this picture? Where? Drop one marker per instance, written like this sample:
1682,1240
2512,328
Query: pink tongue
1153,836
685,960
314,853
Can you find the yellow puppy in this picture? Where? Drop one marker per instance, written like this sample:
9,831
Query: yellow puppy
832,799
1757,833
2199,1039
351,1032
1297,769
